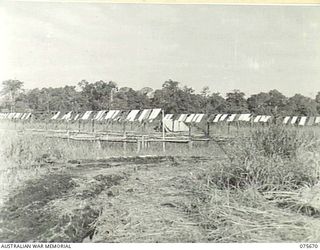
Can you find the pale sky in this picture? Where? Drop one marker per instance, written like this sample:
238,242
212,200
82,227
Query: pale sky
225,47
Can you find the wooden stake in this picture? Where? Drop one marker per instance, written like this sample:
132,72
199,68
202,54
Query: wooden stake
125,141
190,134
138,145
237,127
99,143
68,136
163,134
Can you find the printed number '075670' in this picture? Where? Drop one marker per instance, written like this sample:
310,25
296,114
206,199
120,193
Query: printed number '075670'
311,245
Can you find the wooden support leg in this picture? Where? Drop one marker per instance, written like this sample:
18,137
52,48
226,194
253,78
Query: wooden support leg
68,136
124,142
142,142
99,144
138,146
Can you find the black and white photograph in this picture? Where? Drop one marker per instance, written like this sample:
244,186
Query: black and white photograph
159,123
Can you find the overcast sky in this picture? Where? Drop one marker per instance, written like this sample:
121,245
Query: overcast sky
225,47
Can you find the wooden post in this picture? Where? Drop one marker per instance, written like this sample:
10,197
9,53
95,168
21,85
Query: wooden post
99,143
143,127
163,134
208,129
68,125
190,139
228,128
142,142
138,145
92,126
79,126
124,141
237,127
68,136
145,140
124,127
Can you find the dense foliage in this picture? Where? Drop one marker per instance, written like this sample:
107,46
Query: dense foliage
173,97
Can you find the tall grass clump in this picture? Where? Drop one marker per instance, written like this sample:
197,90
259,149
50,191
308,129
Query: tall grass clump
277,141
270,159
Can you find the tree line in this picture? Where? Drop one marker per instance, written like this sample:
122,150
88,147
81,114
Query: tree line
172,97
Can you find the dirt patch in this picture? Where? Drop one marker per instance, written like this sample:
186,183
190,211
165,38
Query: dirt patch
148,207
111,161
54,208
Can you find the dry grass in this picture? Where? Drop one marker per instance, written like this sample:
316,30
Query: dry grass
265,190
247,216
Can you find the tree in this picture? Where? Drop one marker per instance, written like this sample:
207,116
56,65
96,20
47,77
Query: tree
205,92
277,103
168,97
271,103
318,102
236,103
317,99
301,105
216,104
98,95
11,88
259,103
171,97
145,90
171,85
174,99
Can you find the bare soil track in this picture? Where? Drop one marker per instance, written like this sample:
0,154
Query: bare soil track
126,199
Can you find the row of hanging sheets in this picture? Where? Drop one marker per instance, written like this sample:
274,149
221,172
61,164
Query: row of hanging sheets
197,118
148,115
238,117
12,116
293,120
215,118
152,114
185,118
301,120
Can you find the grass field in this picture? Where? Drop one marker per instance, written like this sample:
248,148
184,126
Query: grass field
263,187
